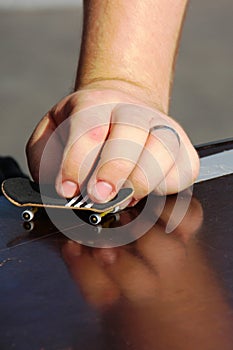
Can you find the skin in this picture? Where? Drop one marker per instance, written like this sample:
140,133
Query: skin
103,136
160,293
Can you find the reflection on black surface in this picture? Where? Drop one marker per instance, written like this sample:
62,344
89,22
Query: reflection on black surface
33,231
157,293
75,226
160,292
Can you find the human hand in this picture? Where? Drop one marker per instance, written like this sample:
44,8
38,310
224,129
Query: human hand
120,271
120,131
161,288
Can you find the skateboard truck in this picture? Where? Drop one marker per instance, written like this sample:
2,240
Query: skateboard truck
96,218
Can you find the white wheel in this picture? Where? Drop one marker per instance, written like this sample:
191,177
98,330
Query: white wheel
27,215
94,219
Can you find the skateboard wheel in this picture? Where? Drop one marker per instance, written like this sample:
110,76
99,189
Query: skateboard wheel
28,214
94,219
28,225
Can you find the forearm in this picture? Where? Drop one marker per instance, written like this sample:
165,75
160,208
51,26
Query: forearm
132,44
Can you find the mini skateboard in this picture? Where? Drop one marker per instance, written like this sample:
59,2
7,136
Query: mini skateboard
25,193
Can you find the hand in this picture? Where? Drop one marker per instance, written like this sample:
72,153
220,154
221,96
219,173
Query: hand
135,271
112,127
158,291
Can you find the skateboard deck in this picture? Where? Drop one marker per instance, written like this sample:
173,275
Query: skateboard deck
25,193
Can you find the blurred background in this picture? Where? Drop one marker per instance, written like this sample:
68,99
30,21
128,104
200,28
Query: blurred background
40,42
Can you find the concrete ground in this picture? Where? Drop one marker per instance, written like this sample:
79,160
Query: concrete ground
39,52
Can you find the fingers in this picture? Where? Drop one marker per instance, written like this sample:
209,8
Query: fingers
133,277
88,131
98,289
134,156
35,150
184,214
169,163
113,145
158,248
184,171
104,274
156,160
126,140
45,147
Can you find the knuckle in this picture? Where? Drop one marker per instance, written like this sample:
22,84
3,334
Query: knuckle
97,133
117,166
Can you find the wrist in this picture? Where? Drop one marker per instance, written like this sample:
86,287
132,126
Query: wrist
136,92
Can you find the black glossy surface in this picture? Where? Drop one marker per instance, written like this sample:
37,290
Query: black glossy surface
165,291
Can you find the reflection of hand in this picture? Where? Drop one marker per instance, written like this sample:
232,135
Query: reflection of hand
131,152
169,296
125,268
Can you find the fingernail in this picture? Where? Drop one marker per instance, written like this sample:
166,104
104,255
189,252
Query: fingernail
106,256
71,250
109,257
68,189
74,248
101,191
